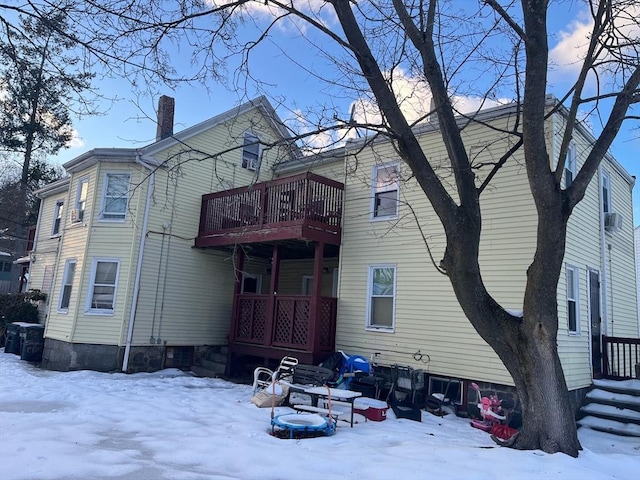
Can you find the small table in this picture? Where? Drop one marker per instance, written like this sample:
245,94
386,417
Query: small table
346,396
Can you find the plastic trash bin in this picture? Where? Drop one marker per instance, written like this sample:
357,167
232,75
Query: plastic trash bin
32,343
12,344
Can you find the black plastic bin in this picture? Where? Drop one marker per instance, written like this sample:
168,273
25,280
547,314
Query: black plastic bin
12,344
32,343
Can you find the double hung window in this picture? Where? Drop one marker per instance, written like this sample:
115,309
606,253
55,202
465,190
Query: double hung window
382,295
57,218
250,152
573,299
116,191
102,290
385,192
67,285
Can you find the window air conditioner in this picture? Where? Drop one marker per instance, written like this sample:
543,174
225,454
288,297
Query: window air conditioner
76,215
612,221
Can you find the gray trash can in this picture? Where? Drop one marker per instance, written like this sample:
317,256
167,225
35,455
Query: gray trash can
32,342
12,344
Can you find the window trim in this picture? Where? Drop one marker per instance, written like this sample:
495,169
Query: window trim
65,280
57,216
374,175
250,166
257,277
104,199
606,183
306,280
368,325
574,272
570,160
81,211
92,284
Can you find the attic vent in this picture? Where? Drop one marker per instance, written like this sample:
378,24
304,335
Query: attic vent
178,357
612,222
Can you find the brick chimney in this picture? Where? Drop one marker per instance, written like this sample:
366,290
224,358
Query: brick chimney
166,107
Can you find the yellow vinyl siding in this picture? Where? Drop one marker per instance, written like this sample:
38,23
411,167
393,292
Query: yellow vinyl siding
293,271
583,252
108,240
428,318
194,306
619,256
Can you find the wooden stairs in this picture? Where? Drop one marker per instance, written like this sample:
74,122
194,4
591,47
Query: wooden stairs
612,406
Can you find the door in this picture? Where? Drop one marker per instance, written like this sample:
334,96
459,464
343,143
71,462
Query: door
596,323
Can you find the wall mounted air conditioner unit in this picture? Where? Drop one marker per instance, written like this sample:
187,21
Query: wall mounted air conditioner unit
76,215
612,222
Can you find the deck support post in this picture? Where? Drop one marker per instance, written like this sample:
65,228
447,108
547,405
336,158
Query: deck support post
313,340
273,291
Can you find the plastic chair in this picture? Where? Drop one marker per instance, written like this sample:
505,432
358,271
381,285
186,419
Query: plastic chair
263,376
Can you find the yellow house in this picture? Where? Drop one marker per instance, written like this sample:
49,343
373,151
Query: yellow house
221,243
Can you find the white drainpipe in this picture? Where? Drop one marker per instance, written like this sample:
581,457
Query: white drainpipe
136,285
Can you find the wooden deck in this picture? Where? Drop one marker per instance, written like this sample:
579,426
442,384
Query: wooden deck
302,207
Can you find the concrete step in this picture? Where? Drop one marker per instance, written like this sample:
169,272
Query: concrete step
610,426
615,399
628,387
611,412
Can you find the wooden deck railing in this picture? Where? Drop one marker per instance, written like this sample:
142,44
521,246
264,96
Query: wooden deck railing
620,357
306,197
292,318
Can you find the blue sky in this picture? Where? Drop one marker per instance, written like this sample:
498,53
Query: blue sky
130,122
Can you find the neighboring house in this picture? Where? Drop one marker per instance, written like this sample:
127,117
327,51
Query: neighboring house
304,256
6,264
636,236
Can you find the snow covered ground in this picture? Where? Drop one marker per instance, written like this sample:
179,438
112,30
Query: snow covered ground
171,425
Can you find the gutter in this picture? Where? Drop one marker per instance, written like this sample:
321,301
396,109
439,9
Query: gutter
136,285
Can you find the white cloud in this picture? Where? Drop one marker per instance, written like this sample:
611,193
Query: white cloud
569,52
76,140
319,10
414,97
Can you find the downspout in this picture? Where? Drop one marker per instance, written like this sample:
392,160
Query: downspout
136,285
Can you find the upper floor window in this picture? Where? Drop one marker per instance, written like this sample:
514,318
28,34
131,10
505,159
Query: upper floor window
250,152
81,200
382,297
115,199
573,297
67,285
57,217
385,191
102,290
606,192
570,166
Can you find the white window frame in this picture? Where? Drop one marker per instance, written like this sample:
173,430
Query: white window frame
606,197
94,267
258,279
114,216
249,141
66,282
81,203
573,273
57,217
307,280
379,189
570,166
370,296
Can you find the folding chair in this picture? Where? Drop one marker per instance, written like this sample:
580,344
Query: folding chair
263,377
407,384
